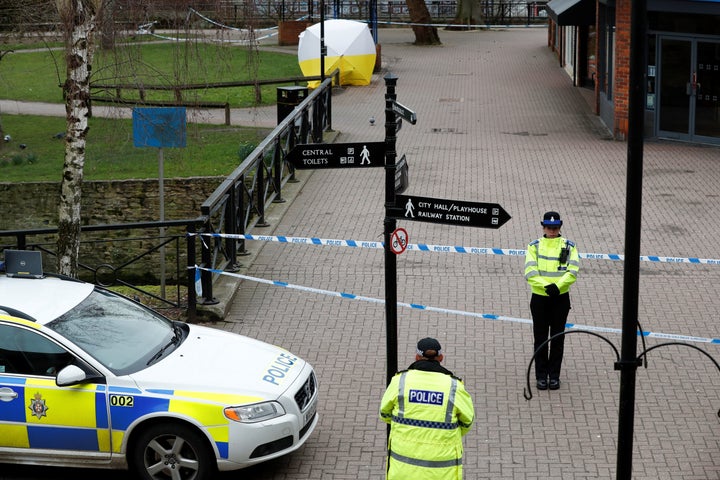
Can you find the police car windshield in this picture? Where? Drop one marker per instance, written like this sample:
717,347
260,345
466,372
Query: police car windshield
120,334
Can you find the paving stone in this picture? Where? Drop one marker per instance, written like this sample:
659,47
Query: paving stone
500,122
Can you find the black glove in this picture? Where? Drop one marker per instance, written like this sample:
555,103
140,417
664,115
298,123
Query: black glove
552,290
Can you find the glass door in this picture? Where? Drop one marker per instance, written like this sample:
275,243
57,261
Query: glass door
689,90
673,88
707,104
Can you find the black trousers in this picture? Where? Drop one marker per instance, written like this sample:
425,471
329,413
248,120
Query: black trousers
549,318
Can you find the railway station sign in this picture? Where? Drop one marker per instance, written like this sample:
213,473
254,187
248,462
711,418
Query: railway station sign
337,155
449,212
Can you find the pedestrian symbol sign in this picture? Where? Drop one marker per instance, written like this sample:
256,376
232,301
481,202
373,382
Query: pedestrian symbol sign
337,155
449,212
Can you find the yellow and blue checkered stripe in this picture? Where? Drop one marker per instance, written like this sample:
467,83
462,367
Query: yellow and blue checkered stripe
77,418
66,419
203,407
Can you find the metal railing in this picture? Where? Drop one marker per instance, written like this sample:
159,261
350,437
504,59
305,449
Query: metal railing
396,11
144,247
240,202
236,206
265,13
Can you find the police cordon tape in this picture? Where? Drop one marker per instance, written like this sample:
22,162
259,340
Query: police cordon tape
394,23
459,26
449,249
427,308
253,34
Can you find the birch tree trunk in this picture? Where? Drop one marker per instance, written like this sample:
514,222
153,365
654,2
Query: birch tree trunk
78,20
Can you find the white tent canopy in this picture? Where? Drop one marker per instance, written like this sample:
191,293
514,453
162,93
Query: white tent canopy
350,47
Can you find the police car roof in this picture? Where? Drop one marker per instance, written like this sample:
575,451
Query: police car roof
42,299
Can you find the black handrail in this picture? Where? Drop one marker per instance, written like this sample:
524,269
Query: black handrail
238,204
190,225
235,207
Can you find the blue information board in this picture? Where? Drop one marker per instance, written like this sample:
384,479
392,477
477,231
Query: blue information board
161,127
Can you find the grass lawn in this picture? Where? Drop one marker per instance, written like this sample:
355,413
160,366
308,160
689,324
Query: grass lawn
37,75
211,150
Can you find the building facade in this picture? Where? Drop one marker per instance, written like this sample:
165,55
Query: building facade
682,87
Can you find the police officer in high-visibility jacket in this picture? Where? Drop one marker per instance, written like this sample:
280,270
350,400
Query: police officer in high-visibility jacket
429,411
551,266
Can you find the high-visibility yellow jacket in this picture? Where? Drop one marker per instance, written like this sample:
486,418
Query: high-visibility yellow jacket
429,412
546,264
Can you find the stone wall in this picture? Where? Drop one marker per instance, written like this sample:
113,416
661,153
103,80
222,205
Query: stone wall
34,205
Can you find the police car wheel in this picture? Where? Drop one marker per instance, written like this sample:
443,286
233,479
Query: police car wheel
172,451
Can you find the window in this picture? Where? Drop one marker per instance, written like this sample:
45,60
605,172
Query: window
25,352
122,335
610,60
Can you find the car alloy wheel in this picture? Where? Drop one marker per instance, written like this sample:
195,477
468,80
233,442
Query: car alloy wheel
172,451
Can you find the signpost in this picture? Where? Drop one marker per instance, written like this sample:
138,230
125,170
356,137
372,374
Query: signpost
449,212
390,226
160,127
337,155
397,206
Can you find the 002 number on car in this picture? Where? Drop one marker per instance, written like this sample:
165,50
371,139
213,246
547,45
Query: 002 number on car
121,400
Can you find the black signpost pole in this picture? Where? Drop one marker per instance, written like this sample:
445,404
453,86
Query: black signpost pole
323,49
390,225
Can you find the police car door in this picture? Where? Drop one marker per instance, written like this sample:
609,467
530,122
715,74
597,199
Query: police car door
38,418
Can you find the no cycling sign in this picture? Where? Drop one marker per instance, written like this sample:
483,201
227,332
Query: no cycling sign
398,241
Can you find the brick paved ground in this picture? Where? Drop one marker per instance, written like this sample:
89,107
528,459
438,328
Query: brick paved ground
498,121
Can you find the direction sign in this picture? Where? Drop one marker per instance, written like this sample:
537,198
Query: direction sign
401,176
450,212
404,112
337,155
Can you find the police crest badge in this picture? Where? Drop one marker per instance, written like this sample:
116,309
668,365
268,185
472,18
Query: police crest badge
38,407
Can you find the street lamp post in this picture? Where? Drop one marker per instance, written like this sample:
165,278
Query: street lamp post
628,363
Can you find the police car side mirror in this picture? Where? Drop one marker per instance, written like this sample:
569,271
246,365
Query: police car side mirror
71,375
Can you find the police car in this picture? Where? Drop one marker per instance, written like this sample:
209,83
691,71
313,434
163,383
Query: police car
89,378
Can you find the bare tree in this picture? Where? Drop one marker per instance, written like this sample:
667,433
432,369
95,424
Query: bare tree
106,17
421,20
81,23
469,12
78,23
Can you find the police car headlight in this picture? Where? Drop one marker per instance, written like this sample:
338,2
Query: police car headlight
257,412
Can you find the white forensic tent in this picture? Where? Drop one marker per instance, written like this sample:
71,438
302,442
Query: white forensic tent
350,47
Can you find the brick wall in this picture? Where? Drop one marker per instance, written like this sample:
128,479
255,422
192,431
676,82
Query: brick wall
288,32
622,68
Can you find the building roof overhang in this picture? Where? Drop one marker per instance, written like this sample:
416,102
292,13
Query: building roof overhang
572,12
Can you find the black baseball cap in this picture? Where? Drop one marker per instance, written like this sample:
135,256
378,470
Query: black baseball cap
429,344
